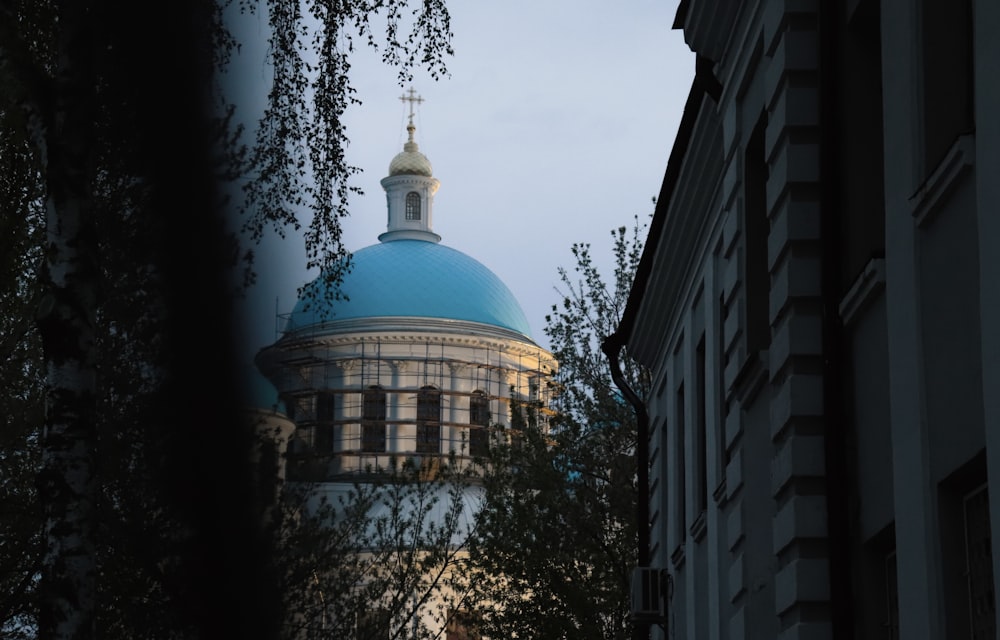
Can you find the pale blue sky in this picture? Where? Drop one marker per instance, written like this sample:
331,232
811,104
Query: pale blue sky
554,127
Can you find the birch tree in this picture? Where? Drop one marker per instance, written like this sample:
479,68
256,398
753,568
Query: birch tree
111,110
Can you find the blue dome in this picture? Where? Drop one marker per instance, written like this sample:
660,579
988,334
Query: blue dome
415,278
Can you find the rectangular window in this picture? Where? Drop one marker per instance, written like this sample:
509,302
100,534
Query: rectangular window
756,226
479,441
680,481
701,425
722,452
979,564
373,420
948,82
479,419
323,429
429,420
479,409
860,186
323,437
374,624
462,625
324,407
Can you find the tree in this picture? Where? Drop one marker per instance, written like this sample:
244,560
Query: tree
116,296
21,403
557,535
382,558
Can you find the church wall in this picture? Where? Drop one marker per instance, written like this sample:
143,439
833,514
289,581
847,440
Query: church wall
339,372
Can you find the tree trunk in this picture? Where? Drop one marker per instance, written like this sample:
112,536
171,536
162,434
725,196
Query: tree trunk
66,318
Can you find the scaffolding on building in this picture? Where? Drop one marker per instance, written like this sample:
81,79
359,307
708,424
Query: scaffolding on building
323,385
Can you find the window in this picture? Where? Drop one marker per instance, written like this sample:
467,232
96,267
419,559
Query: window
479,441
374,625
479,409
479,420
413,206
462,625
324,407
323,429
429,420
966,551
948,82
701,425
722,406
680,481
373,420
979,564
860,184
756,279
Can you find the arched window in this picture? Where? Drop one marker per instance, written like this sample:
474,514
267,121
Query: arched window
479,419
479,409
373,420
413,206
323,429
428,420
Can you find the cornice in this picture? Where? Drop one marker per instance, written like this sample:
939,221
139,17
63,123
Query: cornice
407,328
409,179
707,26
413,331
693,214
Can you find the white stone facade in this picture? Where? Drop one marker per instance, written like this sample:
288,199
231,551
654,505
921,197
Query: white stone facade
463,363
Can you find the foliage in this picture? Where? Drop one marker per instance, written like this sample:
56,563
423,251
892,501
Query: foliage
122,469
22,370
378,558
299,154
556,538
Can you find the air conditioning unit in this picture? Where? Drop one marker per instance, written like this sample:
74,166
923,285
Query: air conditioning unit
649,595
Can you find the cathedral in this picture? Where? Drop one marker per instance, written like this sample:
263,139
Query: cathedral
419,358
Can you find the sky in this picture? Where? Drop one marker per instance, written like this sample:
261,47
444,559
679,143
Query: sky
553,128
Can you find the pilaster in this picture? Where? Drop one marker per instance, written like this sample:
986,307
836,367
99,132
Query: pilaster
795,355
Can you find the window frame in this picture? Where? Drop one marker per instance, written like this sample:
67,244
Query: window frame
429,420
373,413
413,206
479,422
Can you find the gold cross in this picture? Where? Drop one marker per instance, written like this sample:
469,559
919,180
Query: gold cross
411,98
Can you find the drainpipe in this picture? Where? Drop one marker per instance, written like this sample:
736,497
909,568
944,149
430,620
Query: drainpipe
611,346
705,84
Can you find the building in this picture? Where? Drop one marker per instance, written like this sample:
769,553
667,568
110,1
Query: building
420,358
818,301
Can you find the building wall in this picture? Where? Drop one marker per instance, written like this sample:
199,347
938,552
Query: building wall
322,373
455,360
818,315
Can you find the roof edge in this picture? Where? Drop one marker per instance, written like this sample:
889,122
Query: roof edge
678,152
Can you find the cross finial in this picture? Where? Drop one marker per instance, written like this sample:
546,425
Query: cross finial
411,97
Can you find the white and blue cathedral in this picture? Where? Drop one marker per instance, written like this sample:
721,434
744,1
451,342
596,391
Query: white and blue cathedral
419,358
424,349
